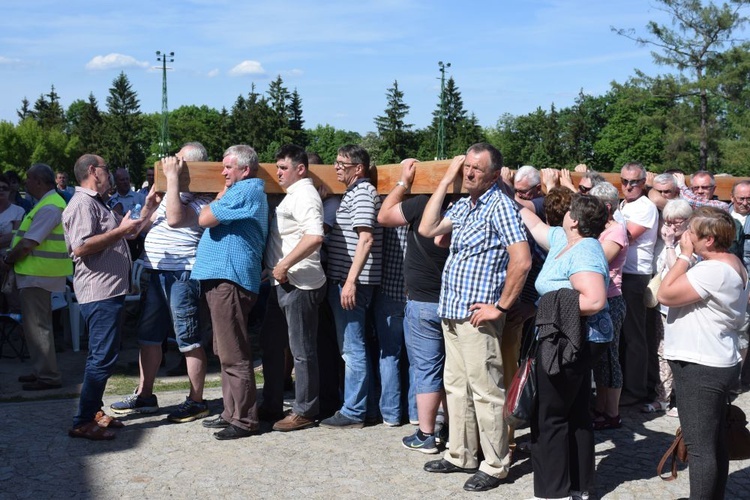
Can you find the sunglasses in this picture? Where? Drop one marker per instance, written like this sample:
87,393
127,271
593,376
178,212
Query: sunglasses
630,183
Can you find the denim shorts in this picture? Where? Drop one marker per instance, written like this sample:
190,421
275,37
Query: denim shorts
172,295
425,346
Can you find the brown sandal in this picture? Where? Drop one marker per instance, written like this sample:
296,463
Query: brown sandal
104,420
92,431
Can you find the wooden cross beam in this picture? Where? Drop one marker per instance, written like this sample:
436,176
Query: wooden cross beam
205,177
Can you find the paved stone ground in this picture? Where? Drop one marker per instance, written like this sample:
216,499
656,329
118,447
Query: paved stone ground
151,458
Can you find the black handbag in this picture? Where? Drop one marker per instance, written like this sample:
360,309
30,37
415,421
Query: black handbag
521,395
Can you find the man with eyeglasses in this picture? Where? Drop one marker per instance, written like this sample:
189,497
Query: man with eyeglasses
95,238
642,221
664,188
354,270
701,190
739,211
527,184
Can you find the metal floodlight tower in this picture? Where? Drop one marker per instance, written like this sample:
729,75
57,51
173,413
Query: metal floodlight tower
441,128
164,58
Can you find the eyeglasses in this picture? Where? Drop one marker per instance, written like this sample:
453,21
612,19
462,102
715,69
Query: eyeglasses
699,188
675,223
527,190
664,192
738,200
631,183
342,164
584,189
105,167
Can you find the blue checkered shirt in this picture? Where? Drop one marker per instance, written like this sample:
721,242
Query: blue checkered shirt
476,267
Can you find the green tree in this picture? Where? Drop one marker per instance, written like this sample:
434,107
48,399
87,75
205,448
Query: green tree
701,32
296,122
460,130
85,122
122,142
394,133
25,111
326,140
47,110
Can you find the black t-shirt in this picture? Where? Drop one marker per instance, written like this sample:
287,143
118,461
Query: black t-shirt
423,269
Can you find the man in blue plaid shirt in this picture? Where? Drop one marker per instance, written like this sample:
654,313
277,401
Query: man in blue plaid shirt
484,274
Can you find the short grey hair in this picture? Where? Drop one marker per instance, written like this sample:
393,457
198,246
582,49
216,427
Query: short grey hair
194,151
677,209
529,173
594,177
608,193
665,179
704,173
245,156
634,166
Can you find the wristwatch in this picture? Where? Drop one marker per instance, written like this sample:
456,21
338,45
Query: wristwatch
501,308
403,185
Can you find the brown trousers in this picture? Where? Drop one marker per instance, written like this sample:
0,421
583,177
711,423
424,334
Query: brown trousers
230,306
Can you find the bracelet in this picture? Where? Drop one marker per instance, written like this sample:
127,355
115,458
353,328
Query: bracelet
403,185
669,246
501,308
685,258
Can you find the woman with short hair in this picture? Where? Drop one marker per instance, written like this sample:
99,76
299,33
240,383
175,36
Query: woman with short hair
707,305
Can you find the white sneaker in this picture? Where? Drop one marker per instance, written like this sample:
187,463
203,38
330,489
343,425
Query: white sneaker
579,495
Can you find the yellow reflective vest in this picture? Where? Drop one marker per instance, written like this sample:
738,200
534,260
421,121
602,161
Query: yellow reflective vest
50,257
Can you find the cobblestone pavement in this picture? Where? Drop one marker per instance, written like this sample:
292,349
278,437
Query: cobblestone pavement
151,458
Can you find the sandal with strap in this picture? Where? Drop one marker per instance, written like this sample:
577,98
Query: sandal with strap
606,422
92,431
655,407
104,420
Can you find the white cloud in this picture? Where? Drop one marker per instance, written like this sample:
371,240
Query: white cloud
294,72
8,60
214,72
247,68
115,60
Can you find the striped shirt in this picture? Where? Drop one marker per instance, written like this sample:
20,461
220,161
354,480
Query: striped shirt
105,274
173,249
233,250
476,267
359,208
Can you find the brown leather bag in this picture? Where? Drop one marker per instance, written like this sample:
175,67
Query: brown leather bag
738,436
678,451
738,442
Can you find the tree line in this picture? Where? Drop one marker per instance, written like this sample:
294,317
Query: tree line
695,118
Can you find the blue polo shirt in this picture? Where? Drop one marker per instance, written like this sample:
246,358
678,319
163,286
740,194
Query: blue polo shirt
233,250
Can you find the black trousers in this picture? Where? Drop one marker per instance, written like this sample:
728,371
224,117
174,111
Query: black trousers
561,431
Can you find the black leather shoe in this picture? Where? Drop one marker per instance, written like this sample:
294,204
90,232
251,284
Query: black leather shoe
215,423
444,467
39,386
233,432
481,481
27,378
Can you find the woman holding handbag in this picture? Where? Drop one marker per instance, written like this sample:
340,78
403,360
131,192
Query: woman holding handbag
707,304
561,433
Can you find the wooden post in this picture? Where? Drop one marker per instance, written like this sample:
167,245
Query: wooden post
205,177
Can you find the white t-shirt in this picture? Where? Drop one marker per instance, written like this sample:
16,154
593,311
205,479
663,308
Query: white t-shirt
641,251
10,215
173,249
705,332
300,213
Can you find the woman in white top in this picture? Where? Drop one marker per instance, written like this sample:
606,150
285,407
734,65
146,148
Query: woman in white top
706,310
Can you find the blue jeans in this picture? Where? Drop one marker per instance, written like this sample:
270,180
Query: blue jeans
389,326
102,319
425,346
351,335
172,294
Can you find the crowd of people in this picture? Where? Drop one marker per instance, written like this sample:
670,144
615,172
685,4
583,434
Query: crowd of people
403,309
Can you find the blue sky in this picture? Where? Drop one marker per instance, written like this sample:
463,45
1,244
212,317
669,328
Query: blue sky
341,56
